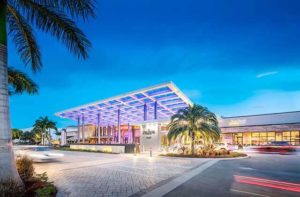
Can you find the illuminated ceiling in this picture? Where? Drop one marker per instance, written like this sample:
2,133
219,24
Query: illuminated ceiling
131,105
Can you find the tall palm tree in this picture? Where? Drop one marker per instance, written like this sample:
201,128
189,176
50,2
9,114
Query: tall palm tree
42,126
194,120
18,19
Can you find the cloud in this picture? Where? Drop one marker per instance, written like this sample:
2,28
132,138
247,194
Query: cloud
261,75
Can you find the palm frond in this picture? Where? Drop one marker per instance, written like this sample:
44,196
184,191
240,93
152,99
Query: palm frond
52,20
19,82
24,39
76,9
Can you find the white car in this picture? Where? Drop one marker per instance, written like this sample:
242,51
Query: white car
38,153
221,146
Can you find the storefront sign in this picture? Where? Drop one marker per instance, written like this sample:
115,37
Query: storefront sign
237,122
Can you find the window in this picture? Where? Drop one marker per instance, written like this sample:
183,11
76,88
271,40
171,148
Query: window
271,136
295,138
255,138
246,139
286,136
263,138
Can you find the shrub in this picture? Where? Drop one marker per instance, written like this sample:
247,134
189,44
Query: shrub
25,168
48,189
11,188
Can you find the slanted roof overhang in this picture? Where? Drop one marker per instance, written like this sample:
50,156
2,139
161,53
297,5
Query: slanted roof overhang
131,105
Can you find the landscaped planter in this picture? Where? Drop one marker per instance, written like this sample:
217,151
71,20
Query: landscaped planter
231,155
107,148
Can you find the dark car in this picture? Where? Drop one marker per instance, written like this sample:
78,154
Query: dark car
281,147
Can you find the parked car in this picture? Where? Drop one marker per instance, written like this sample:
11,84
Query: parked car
38,153
281,147
220,146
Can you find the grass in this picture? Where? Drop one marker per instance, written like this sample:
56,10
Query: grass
231,155
65,148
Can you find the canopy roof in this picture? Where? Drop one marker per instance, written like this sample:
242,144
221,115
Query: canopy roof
131,105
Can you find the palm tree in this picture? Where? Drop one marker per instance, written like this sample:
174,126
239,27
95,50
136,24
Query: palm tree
18,19
19,82
42,126
16,133
194,120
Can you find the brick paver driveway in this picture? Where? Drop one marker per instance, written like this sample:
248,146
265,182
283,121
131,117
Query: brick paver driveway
96,174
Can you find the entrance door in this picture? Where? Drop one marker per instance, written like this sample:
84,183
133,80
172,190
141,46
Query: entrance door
238,139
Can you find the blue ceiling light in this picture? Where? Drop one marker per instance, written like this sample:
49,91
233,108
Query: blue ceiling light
164,96
177,105
177,100
158,91
134,103
102,105
147,100
126,99
113,102
139,96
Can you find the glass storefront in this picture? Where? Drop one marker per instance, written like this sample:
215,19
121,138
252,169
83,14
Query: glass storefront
263,138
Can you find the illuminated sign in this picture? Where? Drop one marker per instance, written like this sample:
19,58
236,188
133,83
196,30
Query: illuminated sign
237,122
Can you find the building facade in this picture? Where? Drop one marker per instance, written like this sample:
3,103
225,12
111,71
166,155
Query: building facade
138,117
261,129
141,117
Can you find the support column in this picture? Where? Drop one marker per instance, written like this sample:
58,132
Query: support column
145,112
83,128
98,129
128,134
119,128
155,110
78,127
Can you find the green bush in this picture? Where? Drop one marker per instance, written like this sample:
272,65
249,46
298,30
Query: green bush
25,168
10,188
48,189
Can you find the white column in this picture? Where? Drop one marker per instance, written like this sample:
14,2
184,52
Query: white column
119,128
83,128
98,129
78,132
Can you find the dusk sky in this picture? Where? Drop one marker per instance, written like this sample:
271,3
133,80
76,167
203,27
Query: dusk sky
235,57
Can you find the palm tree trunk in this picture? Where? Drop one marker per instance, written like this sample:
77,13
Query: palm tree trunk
7,160
193,143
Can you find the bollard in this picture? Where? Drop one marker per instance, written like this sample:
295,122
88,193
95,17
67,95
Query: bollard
150,152
134,150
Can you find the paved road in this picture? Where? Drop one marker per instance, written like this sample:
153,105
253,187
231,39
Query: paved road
235,178
96,174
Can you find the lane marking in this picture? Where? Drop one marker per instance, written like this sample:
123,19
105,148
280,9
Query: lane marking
251,193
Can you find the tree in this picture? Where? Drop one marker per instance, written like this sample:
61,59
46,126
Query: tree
18,19
194,120
42,126
28,137
16,133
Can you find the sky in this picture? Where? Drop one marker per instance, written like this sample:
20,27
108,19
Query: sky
234,57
